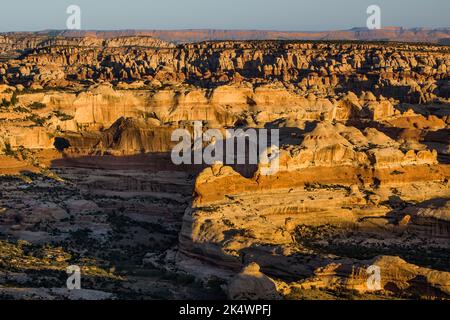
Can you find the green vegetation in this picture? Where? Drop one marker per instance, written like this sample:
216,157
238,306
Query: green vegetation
21,109
14,100
5,103
37,106
8,151
20,153
318,186
62,116
39,122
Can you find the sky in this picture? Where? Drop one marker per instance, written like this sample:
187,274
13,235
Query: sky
282,15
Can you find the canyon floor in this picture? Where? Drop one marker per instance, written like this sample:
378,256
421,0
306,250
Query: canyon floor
87,179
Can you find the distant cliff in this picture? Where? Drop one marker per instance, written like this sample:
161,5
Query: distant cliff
441,35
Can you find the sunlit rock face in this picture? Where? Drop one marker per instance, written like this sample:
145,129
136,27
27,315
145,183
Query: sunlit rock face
86,134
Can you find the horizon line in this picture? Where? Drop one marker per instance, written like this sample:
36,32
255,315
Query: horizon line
386,28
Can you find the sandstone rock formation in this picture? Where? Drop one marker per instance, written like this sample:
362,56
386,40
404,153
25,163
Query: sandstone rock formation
251,284
86,127
396,276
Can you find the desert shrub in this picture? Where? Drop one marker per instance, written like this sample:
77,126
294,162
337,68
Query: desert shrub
8,150
37,106
61,144
21,109
5,103
62,116
36,119
14,100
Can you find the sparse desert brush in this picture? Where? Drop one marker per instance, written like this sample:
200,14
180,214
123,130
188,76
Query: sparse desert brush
37,106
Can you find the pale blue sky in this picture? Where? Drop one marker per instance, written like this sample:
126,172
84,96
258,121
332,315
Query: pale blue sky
307,15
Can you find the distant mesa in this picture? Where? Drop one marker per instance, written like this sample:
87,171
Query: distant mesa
438,35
